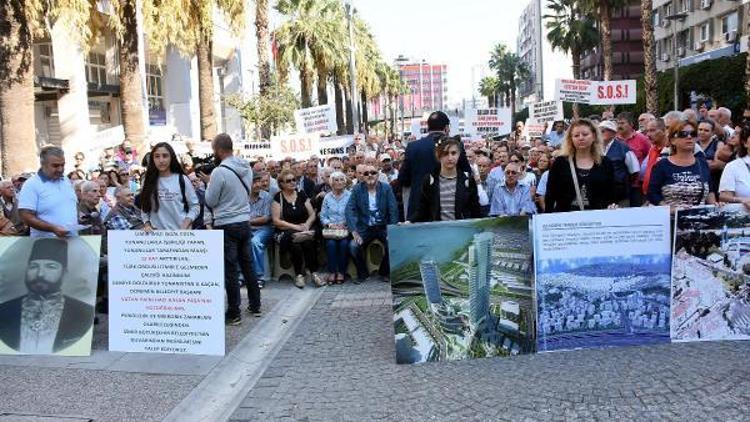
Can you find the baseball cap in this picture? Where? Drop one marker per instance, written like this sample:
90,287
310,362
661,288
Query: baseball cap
384,157
608,124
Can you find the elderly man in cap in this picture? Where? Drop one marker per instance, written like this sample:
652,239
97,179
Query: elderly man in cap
387,173
44,320
623,160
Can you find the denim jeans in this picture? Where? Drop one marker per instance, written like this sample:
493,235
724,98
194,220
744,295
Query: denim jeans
258,242
237,252
338,255
358,251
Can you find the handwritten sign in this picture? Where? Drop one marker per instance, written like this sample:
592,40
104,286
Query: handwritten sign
596,92
486,122
166,292
546,111
299,146
335,146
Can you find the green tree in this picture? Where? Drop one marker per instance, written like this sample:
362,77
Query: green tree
273,109
603,10
510,71
488,88
649,58
262,40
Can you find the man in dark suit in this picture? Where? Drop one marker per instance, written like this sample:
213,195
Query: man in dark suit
44,320
309,180
420,159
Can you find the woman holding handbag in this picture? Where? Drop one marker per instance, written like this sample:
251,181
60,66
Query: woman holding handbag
581,178
293,216
335,233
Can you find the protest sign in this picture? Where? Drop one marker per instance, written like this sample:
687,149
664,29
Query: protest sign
533,129
299,146
320,119
166,292
63,324
462,289
335,145
486,122
252,149
596,92
602,278
546,111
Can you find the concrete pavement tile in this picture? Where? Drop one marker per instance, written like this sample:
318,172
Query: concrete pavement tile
162,363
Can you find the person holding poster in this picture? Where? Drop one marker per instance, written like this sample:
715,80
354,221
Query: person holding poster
682,179
168,200
581,178
447,194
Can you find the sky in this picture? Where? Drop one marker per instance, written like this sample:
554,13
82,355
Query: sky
459,34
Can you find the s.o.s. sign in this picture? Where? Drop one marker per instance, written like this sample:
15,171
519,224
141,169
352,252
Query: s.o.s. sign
299,146
614,92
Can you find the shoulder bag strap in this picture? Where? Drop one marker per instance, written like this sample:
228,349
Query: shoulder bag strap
574,175
238,176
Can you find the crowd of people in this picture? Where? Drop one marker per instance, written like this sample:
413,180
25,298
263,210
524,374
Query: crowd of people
342,204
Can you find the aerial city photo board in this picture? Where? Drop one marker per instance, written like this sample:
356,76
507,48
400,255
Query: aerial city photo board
602,278
710,275
462,289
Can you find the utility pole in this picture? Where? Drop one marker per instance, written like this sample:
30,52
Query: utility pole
352,68
675,18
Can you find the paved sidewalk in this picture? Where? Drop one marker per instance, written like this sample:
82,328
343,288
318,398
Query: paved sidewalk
340,366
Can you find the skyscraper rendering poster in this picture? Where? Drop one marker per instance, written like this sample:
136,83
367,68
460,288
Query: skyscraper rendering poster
602,278
462,289
710,274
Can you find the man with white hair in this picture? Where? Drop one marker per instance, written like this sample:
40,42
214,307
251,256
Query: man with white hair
724,118
9,203
88,211
643,121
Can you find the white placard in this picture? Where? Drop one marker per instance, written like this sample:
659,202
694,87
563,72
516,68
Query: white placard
485,122
166,292
253,149
596,92
546,111
335,146
299,146
320,119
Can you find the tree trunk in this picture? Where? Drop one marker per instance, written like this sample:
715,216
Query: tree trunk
322,85
512,105
130,79
305,80
365,116
339,100
18,150
349,112
206,89
262,43
649,58
394,111
576,55
606,24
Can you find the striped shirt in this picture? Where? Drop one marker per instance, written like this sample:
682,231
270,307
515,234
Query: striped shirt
447,198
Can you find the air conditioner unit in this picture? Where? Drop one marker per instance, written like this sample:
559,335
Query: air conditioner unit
706,4
680,51
698,46
730,36
664,57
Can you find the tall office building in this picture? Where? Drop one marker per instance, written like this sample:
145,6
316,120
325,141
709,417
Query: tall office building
627,47
544,64
431,281
705,30
428,85
480,254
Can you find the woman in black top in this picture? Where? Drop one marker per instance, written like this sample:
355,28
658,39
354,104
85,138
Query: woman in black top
583,147
447,193
293,213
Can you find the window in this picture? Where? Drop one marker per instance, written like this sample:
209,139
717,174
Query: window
667,10
96,70
729,23
154,88
657,17
705,30
46,63
685,5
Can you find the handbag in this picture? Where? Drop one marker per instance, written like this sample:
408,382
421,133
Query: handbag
574,175
301,237
335,234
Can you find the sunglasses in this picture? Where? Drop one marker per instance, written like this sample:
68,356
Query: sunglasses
289,180
511,172
685,134
369,173
514,161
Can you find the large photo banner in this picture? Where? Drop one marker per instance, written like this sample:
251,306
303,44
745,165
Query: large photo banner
711,274
602,278
166,292
462,289
47,295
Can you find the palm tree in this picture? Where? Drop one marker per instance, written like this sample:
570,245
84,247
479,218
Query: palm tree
488,88
263,40
649,58
571,30
510,71
603,9
190,29
130,76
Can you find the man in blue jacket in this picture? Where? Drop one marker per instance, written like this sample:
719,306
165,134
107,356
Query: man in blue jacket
371,208
420,159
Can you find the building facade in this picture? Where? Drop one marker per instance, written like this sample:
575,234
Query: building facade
691,31
431,281
77,94
545,64
480,254
627,47
428,85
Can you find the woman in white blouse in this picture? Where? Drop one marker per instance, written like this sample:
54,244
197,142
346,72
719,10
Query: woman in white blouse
735,180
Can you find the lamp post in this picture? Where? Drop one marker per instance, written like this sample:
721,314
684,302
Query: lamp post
676,17
352,68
